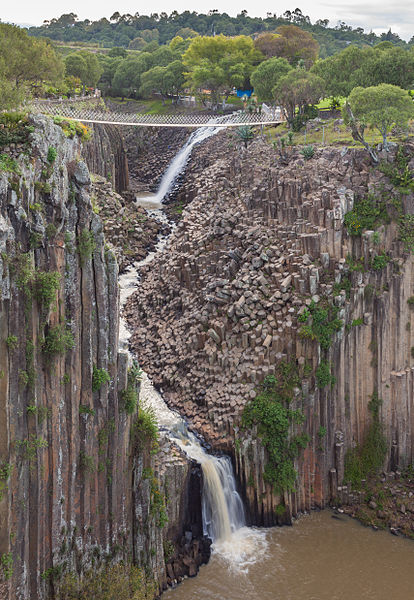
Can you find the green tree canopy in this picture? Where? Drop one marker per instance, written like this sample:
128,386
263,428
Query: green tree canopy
266,76
24,61
167,81
338,70
127,78
220,63
386,65
380,107
298,89
84,65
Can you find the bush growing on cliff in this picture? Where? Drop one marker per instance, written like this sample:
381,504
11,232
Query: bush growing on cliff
86,245
45,286
269,411
120,582
368,213
145,429
367,458
99,378
324,324
58,340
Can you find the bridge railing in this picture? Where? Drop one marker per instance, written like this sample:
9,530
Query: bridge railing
96,115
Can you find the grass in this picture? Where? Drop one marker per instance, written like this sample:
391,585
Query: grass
335,135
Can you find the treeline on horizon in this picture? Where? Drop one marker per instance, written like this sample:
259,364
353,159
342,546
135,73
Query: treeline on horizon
135,31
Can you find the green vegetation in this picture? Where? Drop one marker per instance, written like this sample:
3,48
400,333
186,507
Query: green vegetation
86,410
322,432
14,129
11,342
28,448
324,323
410,302
51,154
8,164
379,261
366,459
246,134
86,462
406,231
25,62
368,213
380,107
86,245
58,340
44,287
324,376
120,581
6,564
130,395
99,378
308,152
5,472
71,128
270,412
157,499
145,429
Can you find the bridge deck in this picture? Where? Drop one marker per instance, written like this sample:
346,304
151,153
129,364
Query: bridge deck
86,115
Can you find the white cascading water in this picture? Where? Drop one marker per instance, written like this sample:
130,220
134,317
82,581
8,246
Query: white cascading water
223,513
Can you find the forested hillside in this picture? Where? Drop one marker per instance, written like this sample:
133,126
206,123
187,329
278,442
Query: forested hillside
135,31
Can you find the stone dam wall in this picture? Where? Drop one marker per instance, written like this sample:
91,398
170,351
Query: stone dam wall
260,241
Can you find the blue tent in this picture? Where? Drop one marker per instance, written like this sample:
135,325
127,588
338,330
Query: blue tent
241,93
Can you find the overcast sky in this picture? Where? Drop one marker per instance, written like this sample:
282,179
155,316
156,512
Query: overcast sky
378,15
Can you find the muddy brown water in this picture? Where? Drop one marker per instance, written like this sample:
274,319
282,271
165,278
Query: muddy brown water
319,558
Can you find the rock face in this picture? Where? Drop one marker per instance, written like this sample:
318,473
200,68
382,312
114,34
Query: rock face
105,154
261,243
127,227
76,491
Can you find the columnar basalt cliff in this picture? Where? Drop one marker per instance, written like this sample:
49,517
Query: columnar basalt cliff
261,244
76,489
105,154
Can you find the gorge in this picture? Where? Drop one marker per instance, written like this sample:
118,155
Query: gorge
254,253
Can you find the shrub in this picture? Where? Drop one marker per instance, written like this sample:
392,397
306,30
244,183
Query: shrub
99,378
410,302
51,154
324,324
368,213
324,376
9,165
380,261
86,410
71,128
86,245
58,340
269,411
145,428
308,152
366,459
406,232
120,581
45,286
6,563
11,342
130,395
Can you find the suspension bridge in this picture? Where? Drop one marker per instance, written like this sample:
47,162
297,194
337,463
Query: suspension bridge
105,117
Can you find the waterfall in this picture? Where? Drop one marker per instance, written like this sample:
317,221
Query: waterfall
222,507
178,163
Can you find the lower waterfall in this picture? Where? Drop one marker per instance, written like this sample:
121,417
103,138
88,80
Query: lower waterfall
222,507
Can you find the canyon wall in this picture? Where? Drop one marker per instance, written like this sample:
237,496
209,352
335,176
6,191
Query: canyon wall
77,490
261,243
105,154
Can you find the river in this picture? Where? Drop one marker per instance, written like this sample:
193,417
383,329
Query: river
322,557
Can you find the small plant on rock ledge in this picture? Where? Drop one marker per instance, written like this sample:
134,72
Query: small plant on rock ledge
58,340
99,378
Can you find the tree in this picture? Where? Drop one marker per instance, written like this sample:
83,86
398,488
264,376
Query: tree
27,60
380,107
220,63
167,81
338,70
296,90
386,65
127,78
266,76
84,65
290,42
